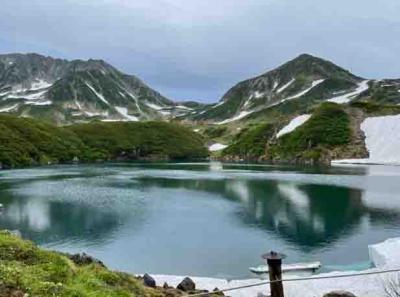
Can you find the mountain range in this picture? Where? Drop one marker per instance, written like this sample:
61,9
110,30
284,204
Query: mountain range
65,92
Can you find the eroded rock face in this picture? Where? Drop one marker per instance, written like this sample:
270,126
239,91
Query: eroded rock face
187,285
339,294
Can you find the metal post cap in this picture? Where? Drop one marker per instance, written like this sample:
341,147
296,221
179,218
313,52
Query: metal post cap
273,256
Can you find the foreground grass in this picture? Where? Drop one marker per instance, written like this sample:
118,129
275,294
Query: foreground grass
26,269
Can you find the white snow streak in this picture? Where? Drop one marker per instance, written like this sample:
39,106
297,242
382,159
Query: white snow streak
7,109
313,85
284,87
241,115
184,107
40,84
295,123
154,106
362,86
40,103
124,112
216,147
382,141
100,96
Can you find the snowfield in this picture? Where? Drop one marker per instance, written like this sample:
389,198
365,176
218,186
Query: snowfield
362,86
100,96
313,85
285,86
295,123
382,141
216,147
384,255
241,115
124,112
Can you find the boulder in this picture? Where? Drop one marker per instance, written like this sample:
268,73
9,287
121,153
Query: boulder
187,285
148,281
339,294
165,286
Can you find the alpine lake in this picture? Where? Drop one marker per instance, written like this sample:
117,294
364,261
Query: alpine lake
204,219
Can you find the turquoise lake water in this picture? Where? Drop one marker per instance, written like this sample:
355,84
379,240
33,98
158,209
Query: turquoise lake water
207,219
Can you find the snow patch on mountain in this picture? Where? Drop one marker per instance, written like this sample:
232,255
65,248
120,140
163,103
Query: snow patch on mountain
39,103
313,85
241,115
124,112
285,86
184,107
217,147
255,95
154,106
362,87
40,84
30,96
9,108
294,124
382,140
100,96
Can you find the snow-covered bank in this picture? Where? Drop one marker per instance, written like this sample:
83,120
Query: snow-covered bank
384,255
382,139
296,122
217,147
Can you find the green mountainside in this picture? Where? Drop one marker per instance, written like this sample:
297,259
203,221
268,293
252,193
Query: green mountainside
304,77
25,142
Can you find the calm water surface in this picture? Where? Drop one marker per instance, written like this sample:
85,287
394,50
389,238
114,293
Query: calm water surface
204,219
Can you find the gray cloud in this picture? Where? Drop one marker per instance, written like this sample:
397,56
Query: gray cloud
197,49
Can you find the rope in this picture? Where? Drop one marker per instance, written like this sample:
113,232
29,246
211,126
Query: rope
295,280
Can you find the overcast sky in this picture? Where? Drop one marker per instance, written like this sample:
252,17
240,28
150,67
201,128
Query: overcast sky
197,49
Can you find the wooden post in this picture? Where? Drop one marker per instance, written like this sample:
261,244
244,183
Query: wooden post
274,261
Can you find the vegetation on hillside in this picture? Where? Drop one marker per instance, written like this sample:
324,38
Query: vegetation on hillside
26,269
140,139
250,143
328,127
25,142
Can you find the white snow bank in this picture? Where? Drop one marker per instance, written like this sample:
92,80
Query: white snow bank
285,86
39,103
31,96
184,107
362,86
100,96
382,141
295,123
386,254
9,108
154,106
124,112
241,115
216,147
313,85
40,84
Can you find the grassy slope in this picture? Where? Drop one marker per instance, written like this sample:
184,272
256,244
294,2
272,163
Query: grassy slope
250,143
328,127
25,142
25,267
